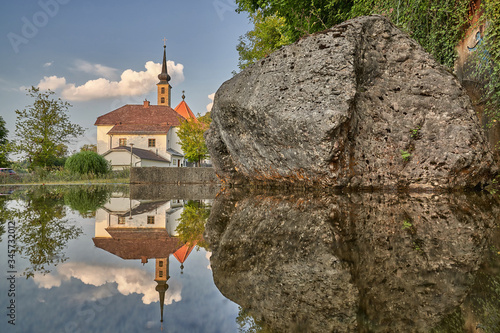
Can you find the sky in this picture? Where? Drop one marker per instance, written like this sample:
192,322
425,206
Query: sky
99,55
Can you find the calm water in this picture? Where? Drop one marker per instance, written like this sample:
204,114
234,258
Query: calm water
121,259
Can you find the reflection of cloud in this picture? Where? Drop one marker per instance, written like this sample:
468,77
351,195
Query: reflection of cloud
208,254
47,281
209,106
131,83
128,281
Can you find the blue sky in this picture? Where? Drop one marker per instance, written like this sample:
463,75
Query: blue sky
100,55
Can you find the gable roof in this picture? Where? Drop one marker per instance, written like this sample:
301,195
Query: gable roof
184,110
143,154
132,114
135,244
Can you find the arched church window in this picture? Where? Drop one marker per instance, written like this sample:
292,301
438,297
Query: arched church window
163,99
162,90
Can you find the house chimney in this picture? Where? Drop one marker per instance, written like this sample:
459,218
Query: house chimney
146,103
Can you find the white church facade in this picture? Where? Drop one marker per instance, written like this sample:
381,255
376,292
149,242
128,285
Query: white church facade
144,135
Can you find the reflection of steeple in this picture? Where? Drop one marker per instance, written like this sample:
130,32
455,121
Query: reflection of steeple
161,277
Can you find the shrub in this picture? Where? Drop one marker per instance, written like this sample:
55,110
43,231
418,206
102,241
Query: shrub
87,162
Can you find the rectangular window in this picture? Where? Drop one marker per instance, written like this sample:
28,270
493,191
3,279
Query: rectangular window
151,220
160,273
122,142
121,219
151,142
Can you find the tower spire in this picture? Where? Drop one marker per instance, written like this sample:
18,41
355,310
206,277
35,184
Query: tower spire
163,76
164,86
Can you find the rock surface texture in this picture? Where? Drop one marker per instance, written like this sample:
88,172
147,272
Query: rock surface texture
360,105
363,262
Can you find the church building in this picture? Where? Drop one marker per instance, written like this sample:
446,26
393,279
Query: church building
144,135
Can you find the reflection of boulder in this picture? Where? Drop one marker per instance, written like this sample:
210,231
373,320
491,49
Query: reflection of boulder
413,256
282,272
365,262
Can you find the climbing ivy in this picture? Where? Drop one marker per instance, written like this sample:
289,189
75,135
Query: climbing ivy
437,25
488,59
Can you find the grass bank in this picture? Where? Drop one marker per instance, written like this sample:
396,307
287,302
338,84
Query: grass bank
64,177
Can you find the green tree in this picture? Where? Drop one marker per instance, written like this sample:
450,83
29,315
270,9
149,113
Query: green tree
192,141
87,162
301,17
4,162
268,35
43,129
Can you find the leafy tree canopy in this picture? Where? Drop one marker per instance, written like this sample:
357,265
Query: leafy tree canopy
192,142
43,129
268,35
87,162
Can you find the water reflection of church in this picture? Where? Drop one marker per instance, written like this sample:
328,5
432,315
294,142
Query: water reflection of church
133,229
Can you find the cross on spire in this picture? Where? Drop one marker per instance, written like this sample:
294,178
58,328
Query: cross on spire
164,41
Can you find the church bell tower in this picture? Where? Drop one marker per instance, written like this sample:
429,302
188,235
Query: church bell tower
164,87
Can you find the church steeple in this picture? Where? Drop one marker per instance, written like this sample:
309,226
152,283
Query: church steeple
161,277
164,87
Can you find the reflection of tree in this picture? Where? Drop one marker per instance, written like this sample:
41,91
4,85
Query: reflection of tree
86,200
42,232
3,215
192,223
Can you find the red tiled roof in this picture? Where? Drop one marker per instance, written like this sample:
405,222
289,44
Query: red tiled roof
141,115
140,129
184,110
136,244
182,253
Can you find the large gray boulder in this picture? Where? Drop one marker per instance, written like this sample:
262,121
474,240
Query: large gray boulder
360,105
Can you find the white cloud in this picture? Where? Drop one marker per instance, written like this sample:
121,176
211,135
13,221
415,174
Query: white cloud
209,106
96,69
131,83
128,281
208,254
48,64
52,83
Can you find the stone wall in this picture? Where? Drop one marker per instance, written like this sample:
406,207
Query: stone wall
154,175
173,192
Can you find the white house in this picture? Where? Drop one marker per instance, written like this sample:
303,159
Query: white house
144,135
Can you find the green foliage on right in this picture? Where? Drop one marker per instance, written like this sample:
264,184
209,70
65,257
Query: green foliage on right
488,59
87,162
437,25
268,35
